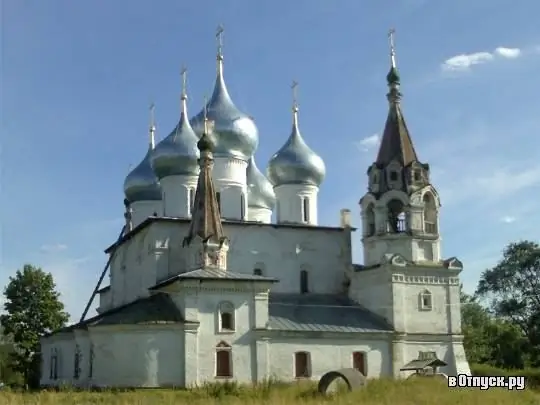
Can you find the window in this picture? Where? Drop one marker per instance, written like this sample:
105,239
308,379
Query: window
426,301
417,175
76,363
91,362
393,176
305,209
226,317
304,282
242,206
302,367
218,199
53,374
430,214
359,362
257,272
370,220
223,360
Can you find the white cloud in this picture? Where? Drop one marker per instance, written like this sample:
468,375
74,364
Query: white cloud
58,247
368,143
464,62
509,53
508,219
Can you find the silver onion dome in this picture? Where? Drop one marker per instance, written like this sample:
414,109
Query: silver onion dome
141,183
295,162
260,191
233,133
177,153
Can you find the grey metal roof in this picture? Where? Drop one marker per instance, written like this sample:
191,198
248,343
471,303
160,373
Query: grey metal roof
213,274
321,313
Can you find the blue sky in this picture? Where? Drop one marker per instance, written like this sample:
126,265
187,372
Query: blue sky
77,79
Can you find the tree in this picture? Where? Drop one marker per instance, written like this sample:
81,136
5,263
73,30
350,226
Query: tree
512,288
33,309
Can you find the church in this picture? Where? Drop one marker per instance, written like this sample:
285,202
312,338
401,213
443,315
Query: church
223,273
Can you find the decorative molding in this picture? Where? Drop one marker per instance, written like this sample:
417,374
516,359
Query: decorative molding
433,280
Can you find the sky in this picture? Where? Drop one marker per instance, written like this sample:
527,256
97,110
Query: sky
77,79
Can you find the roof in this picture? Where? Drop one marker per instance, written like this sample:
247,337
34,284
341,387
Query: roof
321,313
103,289
226,222
213,274
396,142
421,364
156,309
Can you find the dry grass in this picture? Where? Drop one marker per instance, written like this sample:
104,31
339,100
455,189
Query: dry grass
378,392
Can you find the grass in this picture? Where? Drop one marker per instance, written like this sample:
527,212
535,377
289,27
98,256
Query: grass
377,392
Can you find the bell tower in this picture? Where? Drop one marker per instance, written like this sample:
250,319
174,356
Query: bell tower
400,211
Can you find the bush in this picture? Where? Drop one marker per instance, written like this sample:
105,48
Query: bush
532,375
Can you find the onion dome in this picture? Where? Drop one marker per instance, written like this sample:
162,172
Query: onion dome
233,133
260,191
295,162
141,183
177,154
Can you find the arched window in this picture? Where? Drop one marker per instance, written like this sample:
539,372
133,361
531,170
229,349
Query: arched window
302,365
242,207
359,362
370,220
430,214
226,317
397,222
257,272
223,360
91,362
304,286
77,363
305,209
426,301
191,199
218,199
53,367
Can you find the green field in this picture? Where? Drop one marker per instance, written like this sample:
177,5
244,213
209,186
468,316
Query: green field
378,392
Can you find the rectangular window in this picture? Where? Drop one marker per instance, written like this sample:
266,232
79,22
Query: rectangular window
223,363
301,365
359,362
242,207
305,209
91,362
304,287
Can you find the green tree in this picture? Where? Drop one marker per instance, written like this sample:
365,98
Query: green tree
33,309
475,323
512,289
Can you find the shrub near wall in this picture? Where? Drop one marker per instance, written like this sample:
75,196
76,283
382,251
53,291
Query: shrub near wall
532,375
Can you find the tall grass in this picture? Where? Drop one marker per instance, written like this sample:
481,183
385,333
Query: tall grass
377,392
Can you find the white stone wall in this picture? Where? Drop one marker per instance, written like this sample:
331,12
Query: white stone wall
258,214
145,356
156,253
328,354
230,180
64,343
178,193
290,205
145,209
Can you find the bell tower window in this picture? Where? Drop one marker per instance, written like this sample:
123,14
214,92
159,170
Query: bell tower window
370,221
397,221
393,176
218,199
242,207
430,214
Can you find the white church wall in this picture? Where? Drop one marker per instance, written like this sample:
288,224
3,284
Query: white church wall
230,180
145,209
447,351
148,356
105,300
210,300
64,344
82,340
373,290
178,193
258,214
290,204
328,354
156,253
